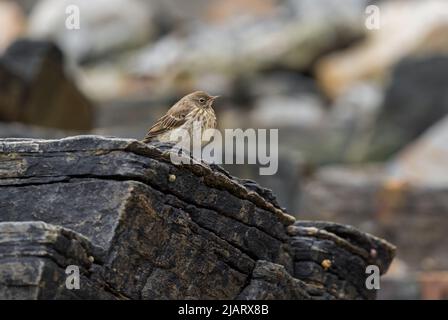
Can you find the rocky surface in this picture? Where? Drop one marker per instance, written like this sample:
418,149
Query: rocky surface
33,257
140,227
339,265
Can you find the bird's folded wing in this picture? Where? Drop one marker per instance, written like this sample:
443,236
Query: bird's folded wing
174,118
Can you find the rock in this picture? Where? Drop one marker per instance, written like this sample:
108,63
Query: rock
213,44
32,260
20,130
375,56
111,207
402,288
280,83
129,117
327,9
434,285
341,260
12,23
11,94
222,11
271,281
286,182
37,91
324,133
235,48
344,193
26,5
369,198
353,117
305,111
105,25
430,285
423,162
174,14
415,100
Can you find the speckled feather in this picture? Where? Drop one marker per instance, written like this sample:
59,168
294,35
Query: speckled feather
182,115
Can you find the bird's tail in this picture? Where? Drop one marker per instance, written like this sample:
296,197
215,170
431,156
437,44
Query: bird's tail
147,139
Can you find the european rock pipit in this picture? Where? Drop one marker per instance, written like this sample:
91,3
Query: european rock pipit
193,108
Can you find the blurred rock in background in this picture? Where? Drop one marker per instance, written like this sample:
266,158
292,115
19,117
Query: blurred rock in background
291,35
37,91
105,26
12,23
416,99
424,162
413,217
361,113
20,130
407,28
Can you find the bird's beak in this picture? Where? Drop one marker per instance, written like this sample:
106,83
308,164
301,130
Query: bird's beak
215,97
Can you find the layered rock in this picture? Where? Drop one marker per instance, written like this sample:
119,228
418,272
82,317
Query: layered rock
140,227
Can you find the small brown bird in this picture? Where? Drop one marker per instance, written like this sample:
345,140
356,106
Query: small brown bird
195,107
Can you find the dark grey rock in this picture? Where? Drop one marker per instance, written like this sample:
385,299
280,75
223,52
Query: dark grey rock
272,281
25,57
416,99
200,235
348,252
33,258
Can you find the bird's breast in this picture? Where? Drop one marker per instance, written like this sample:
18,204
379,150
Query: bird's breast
206,116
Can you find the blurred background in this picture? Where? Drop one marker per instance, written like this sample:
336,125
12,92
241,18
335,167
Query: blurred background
362,111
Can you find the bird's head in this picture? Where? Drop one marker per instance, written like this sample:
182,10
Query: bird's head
201,99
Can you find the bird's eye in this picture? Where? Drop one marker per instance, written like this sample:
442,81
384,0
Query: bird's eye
201,100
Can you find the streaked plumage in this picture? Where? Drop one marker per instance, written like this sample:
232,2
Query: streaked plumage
196,106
